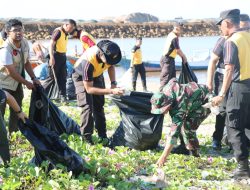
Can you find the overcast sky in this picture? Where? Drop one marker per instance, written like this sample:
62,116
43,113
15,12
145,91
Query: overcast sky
97,9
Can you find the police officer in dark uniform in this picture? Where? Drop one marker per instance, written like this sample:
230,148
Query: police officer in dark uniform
90,87
216,71
237,82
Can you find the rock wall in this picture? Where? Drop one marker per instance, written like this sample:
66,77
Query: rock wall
40,31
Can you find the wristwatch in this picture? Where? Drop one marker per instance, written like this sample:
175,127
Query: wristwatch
222,94
113,83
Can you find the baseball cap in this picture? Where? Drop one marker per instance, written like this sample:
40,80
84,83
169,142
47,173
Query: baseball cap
244,18
160,103
111,51
227,14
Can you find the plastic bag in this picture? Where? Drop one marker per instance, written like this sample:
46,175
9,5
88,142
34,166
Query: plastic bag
125,81
187,75
51,86
139,129
45,113
48,146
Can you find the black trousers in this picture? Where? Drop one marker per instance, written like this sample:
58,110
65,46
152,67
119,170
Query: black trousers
139,69
4,143
237,118
167,70
221,117
60,69
13,119
92,113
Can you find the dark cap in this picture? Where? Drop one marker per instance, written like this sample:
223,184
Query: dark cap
228,14
111,51
138,38
244,18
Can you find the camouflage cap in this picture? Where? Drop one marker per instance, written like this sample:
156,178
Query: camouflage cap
160,103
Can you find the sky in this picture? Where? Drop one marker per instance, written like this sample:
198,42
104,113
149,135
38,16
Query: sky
98,9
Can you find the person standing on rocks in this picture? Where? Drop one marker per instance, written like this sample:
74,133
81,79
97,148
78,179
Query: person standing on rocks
57,53
14,61
236,83
90,87
137,66
172,49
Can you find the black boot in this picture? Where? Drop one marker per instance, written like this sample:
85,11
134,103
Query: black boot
134,86
242,171
144,86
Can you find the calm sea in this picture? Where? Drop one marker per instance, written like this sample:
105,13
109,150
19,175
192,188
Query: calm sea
195,48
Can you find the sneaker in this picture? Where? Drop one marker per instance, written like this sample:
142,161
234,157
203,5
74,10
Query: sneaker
216,145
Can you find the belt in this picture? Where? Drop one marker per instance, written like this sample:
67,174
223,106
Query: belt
60,53
220,70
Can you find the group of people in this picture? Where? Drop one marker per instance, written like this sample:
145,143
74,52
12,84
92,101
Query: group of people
229,63
230,70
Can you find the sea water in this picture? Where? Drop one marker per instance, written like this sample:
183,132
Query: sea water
195,48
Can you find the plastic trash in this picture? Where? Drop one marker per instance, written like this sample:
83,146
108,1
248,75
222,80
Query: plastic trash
187,75
48,146
125,81
139,129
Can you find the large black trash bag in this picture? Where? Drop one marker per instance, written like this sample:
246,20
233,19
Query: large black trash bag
51,86
48,146
187,75
45,113
139,129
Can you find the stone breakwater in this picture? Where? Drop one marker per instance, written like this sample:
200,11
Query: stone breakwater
41,31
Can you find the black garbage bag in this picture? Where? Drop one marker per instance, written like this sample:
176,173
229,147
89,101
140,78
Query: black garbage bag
70,89
50,85
48,146
187,75
139,129
47,114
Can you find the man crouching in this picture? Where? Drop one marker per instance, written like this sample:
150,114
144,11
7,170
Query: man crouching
184,104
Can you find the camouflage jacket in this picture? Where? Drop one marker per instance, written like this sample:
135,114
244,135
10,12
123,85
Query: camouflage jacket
187,99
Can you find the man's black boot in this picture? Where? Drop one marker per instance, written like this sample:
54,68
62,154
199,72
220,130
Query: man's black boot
134,86
242,171
144,86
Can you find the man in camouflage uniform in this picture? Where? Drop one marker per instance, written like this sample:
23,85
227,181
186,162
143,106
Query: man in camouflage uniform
184,103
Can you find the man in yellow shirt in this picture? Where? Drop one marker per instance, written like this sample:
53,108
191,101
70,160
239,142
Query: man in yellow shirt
172,49
137,65
57,53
